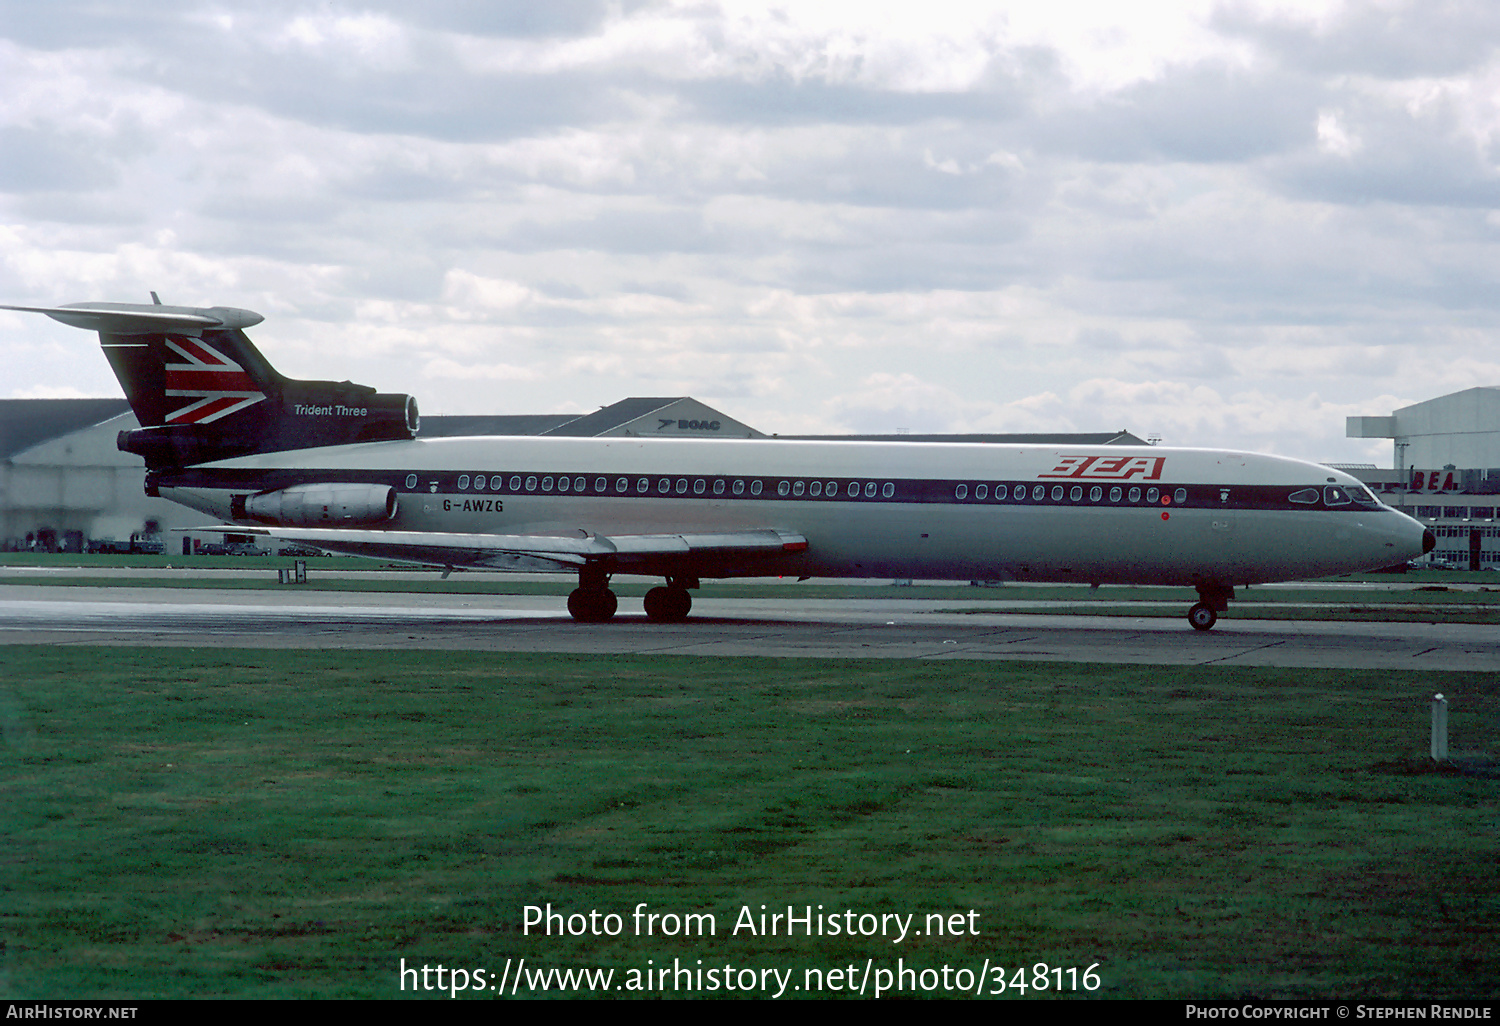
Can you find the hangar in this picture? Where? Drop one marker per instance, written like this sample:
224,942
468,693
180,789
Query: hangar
64,484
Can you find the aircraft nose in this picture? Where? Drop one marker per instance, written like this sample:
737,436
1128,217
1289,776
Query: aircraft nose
1429,541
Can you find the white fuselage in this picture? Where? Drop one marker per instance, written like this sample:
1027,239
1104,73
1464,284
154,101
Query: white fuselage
905,509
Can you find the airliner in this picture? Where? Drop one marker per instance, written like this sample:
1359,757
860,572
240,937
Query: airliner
339,466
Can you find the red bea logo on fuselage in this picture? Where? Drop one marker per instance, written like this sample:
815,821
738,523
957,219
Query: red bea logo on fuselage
1111,468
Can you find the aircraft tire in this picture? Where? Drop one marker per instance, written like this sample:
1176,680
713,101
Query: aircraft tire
592,605
668,605
1202,617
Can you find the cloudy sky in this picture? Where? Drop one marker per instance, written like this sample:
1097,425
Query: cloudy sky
1223,223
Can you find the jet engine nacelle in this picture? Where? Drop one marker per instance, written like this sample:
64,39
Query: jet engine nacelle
323,505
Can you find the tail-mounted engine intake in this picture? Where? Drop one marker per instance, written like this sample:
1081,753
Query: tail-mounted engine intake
319,505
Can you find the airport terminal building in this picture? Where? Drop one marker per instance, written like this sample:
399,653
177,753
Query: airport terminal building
1445,471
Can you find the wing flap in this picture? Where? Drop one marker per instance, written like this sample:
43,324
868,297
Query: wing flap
544,552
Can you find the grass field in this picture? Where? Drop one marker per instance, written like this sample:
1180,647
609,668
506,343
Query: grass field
278,824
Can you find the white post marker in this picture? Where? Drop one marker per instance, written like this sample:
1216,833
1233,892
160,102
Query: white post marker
1439,728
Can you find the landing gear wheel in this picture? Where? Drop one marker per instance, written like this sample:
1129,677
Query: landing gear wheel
592,605
1202,618
668,605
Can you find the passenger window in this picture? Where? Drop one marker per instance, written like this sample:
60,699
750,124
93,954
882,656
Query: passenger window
531,483
870,488
562,484
622,484
682,486
601,484
815,489
888,489
1096,493
797,488
547,483
496,483
981,492
1180,495
1306,496
1038,493
411,481
961,492
463,481
739,488
579,484
1076,493
642,485
1115,493
664,485
699,486
515,482
1151,494
832,488
755,487
1135,495
1001,491
783,488
853,489
1057,492
719,486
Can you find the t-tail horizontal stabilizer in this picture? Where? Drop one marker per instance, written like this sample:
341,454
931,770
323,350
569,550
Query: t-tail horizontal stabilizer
202,391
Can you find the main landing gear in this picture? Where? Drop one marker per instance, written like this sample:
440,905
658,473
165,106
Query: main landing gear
592,601
672,603
1213,599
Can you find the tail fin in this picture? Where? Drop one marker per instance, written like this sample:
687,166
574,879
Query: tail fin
202,391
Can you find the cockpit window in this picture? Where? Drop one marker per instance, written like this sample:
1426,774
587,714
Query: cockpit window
1336,496
1307,496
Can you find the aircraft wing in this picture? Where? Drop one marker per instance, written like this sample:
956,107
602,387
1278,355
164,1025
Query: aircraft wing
626,553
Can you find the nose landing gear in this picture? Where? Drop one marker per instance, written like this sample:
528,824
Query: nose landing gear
1213,599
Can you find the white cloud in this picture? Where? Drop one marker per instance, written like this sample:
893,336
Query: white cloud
1226,222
